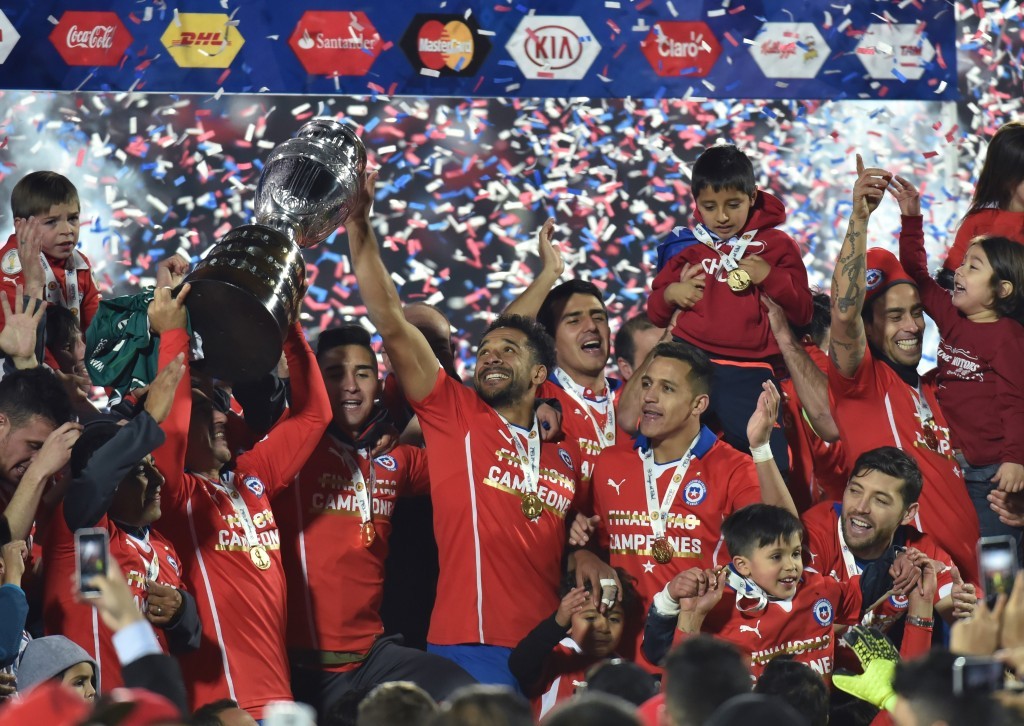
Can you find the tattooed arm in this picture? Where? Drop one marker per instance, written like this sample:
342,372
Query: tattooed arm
849,277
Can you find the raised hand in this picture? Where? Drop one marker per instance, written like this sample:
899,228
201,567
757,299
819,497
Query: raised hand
18,338
548,251
167,312
171,271
759,427
906,195
30,245
869,189
56,451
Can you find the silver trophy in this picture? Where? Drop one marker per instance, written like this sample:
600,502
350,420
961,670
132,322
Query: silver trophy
248,290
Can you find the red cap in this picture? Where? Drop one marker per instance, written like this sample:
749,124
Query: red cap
48,703
884,271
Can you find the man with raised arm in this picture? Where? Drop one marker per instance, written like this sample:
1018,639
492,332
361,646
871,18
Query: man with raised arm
500,494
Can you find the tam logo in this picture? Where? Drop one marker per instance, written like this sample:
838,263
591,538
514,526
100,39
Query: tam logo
553,47
91,38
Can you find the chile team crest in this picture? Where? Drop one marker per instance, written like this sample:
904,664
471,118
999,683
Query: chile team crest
873,278
388,462
254,485
899,602
566,459
823,612
695,492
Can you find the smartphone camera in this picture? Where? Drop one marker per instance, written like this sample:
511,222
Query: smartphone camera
977,675
92,555
998,564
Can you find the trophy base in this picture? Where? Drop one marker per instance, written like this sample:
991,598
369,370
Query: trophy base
242,340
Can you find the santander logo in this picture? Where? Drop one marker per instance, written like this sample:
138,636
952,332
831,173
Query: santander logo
91,38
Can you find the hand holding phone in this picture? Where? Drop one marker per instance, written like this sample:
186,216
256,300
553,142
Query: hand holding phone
998,564
92,558
974,675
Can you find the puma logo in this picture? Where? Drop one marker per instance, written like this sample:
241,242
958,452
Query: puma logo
748,629
617,485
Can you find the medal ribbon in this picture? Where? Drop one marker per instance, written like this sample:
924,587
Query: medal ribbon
739,247
605,436
364,491
848,559
227,485
71,298
659,514
529,461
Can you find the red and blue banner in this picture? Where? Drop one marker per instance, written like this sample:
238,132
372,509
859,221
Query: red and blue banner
810,49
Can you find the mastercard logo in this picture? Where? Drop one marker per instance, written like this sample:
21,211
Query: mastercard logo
444,45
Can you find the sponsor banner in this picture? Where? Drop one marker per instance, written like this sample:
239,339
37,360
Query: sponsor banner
91,38
549,48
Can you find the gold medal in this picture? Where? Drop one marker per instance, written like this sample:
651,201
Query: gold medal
661,550
532,506
260,557
739,280
931,439
367,534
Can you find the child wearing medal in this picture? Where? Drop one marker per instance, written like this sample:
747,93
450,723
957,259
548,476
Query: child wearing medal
980,376
710,282
46,215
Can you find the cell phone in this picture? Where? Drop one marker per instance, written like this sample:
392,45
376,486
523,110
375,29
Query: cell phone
287,713
92,557
977,675
997,560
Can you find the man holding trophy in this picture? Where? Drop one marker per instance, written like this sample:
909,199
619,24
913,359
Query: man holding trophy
243,300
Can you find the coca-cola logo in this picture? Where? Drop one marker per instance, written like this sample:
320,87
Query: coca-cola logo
101,36
91,38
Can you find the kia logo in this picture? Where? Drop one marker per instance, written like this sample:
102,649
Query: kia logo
553,47
101,36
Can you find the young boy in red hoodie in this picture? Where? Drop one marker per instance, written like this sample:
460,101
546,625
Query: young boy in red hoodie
710,282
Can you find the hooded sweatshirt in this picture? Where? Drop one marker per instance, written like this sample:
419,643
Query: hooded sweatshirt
45,658
726,323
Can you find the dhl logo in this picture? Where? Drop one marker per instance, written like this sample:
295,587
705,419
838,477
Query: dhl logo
203,40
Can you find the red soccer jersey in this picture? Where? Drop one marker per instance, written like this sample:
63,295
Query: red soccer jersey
242,608
140,560
586,426
500,571
803,627
563,670
876,408
989,222
718,481
335,584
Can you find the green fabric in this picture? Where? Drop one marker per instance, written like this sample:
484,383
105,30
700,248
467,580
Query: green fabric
120,352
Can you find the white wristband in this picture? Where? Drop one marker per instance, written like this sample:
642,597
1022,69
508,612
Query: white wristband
664,603
761,453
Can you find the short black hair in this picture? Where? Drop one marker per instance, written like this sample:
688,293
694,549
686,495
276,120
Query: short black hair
758,525
541,345
625,346
701,674
593,709
396,702
344,335
485,704
722,166
550,311
797,684
34,392
701,370
622,678
927,685
896,463
209,715
821,319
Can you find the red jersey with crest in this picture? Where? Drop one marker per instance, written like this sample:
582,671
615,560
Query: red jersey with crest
803,627
242,608
152,558
718,481
500,572
586,425
335,584
877,408
817,467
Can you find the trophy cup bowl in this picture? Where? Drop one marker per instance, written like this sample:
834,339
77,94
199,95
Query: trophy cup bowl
248,290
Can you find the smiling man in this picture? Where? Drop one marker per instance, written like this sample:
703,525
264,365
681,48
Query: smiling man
500,494
878,398
336,528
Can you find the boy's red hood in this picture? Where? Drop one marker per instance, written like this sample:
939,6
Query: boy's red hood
767,212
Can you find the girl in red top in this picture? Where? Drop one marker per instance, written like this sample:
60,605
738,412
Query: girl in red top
997,207
980,379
